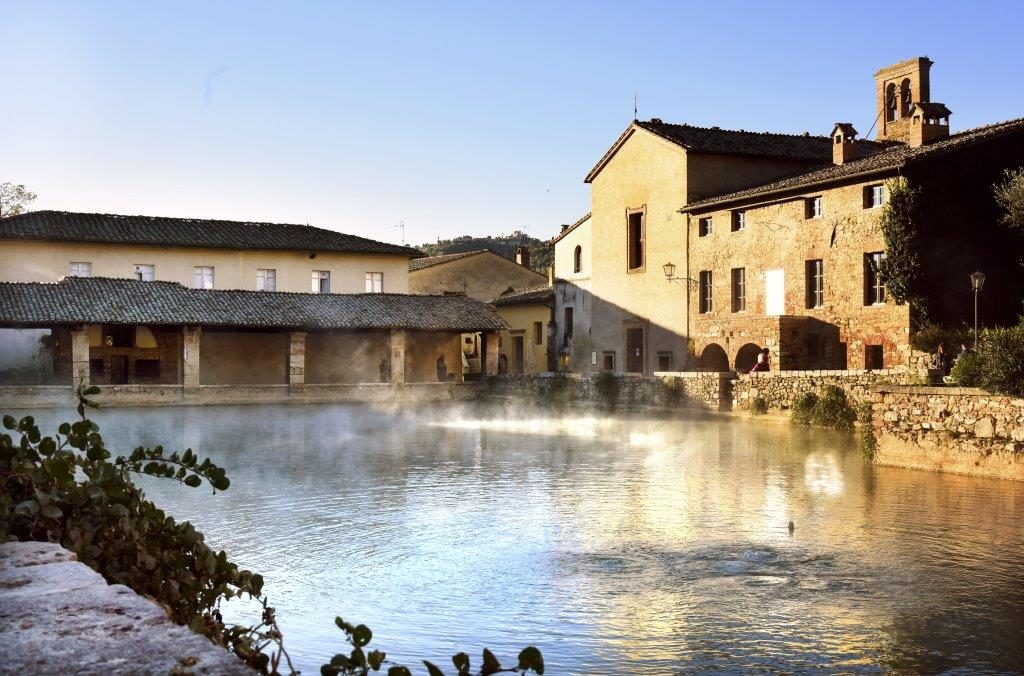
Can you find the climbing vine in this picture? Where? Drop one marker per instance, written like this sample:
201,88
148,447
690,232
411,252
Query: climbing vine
901,270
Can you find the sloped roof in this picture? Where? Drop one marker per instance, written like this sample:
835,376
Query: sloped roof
887,160
569,228
431,261
98,300
69,226
541,293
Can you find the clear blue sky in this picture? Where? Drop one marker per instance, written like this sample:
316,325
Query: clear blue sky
454,118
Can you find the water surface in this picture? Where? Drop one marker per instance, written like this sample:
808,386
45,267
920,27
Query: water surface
616,545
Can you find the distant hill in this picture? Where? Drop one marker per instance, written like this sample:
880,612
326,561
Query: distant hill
541,255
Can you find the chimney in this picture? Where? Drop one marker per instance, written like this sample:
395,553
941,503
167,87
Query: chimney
928,122
523,256
844,144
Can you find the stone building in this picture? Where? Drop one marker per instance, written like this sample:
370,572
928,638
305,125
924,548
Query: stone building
793,264
524,345
573,300
161,342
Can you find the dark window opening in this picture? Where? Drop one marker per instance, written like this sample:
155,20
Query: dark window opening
874,289
636,241
739,221
118,336
812,207
815,276
567,328
538,333
147,368
609,361
706,289
739,289
577,259
704,227
873,357
664,361
96,368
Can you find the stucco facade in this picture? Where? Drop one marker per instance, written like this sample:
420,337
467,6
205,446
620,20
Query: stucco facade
483,275
39,261
524,344
574,301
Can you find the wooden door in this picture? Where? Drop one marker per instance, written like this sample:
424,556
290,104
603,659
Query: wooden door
634,350
118,369
517,354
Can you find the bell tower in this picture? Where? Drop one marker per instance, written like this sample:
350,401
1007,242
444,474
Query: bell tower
898,87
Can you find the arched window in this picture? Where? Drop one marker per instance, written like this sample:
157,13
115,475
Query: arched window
890,103
906,98
577,259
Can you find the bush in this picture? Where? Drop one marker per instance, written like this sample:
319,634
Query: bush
608,386
833,410
928,337
673,390
758,406
868,441
800,413
559,391
998,365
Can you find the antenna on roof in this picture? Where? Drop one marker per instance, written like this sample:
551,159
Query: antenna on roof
636,98
401,226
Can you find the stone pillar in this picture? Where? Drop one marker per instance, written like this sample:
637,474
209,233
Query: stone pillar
491,353
296,360
398,337
80,358
190,337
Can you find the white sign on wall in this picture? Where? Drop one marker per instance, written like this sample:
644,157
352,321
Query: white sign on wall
775,293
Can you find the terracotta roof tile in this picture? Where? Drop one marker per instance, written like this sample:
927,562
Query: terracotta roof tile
431,261
98,300
541,293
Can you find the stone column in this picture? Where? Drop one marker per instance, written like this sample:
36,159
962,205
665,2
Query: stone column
491,353
398,337
296,360
190,337
80,358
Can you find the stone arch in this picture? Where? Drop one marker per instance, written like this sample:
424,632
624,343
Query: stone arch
746,357
714,358
891,104
906,98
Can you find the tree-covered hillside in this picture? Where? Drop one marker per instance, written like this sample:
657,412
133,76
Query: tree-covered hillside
541,255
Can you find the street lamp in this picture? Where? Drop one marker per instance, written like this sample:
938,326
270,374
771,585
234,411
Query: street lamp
977,281
670,275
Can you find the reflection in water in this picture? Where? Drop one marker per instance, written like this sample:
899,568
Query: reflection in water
615,545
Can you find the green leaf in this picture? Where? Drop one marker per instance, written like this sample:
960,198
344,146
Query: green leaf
91,390
461,662
340,660
9,422
375,658
491,664
530,658
64,429
193,481
432,670
399,671
361,635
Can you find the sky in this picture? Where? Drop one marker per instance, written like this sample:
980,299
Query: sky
452,118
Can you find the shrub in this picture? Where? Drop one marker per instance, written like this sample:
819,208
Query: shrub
608,386
928,337
758,406
559,390
800,413
832,409
967,370
673,390
868,441
998,365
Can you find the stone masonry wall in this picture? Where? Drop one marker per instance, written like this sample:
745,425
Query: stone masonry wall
949,429
708,391
780,388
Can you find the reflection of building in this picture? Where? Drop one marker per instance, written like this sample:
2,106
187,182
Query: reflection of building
573,300
524,345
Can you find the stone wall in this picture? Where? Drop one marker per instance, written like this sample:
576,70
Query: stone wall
780,388
709,391
949,429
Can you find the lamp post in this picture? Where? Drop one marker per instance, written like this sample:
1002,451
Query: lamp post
977,281
670,276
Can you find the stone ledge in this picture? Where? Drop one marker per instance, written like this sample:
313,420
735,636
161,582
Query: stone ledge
59,616
932,389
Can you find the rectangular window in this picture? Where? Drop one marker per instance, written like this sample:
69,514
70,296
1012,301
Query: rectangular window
202,277
739,289
80,269
636,241
815,284
874,196
664,361
813,207
266,279
874,289
145,273
147,368
321,281
538,333
739,221
374,282
706,300
874,357
608,361
704,227
567,328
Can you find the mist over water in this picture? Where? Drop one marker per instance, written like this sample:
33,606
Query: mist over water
615,544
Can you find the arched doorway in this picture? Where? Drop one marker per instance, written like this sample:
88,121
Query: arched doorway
714,358
746,357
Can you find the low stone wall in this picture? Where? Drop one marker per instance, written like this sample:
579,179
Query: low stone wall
59,616
780,388
709,391
949,429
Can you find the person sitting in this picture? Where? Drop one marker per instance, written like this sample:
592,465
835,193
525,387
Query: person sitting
762,362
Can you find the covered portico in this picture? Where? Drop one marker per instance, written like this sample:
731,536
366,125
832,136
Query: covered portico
160,342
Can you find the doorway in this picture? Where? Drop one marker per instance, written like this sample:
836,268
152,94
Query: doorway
634,350
517,354
118,369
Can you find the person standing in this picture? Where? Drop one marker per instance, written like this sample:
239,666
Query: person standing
940,360
442,369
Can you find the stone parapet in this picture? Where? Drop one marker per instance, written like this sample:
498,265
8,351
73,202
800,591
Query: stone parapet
779,389
701,390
